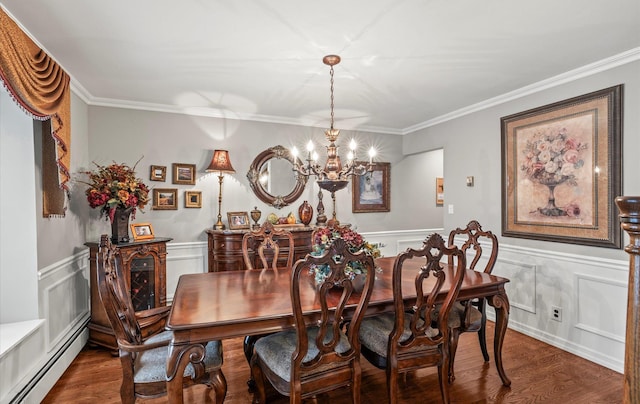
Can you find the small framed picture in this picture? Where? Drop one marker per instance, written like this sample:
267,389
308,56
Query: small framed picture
184,174
165,199
192,199
439,191
158,173
238,220
142,231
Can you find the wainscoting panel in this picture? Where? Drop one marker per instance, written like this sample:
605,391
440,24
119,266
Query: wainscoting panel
522,286
589,291
598,303
184,258
65,302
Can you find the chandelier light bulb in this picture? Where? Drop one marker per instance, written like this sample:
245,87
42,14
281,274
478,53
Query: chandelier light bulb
315,156
372,154
350,156
294,152
353,145
310,146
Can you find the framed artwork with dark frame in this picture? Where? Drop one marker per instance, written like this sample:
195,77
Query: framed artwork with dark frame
184,173
192,199
562,169
158,173
165,199
142,231
238,220
371,191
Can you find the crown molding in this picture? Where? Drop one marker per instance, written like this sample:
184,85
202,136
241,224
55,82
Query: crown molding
620,59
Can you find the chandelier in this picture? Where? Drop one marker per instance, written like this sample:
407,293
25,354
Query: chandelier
334,176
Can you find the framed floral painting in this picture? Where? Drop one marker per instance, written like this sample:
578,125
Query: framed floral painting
562,169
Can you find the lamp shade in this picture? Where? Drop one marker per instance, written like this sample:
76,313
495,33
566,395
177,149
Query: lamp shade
220,162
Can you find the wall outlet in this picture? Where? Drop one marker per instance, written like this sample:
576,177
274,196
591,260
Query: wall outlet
556,313
451,209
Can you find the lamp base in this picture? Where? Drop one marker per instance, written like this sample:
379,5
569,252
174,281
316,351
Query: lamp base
219,225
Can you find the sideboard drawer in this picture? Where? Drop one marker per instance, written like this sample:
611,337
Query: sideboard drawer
225,248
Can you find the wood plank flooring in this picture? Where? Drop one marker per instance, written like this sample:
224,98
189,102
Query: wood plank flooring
539,373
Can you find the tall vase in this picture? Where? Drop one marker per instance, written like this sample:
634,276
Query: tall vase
305,213
551,209
120,226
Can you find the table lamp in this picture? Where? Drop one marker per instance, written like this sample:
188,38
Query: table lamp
220,163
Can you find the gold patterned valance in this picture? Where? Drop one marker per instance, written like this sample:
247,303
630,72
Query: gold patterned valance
39,86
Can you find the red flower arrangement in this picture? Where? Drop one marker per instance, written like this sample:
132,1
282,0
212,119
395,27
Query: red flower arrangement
116,186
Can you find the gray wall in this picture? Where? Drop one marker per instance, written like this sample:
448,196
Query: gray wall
471,146
125,135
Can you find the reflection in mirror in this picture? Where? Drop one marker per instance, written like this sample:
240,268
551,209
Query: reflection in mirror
272,178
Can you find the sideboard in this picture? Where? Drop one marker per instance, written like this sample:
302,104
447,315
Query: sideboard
144,270
225,248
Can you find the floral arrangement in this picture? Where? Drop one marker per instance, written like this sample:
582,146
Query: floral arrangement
355,242
115,186
551,157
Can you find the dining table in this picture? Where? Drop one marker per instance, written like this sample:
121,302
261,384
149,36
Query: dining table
230,304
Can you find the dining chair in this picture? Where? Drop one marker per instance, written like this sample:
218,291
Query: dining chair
144,359
324,354
470,315
265,242
402,341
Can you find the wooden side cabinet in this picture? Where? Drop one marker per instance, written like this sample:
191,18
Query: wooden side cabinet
225,248
144,269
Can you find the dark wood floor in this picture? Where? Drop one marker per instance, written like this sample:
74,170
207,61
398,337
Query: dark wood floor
539,374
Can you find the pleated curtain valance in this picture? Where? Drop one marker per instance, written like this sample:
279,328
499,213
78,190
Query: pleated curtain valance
39,86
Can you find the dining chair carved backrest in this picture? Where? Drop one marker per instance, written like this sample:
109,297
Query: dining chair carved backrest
265,242
403,341
325,355
470,315
144,358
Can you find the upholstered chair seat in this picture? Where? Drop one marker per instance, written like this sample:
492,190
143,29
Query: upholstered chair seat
275,350
151,366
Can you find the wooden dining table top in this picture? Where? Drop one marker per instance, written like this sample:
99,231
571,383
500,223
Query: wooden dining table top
234,298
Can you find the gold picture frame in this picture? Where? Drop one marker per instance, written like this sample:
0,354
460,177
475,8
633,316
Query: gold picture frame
158,173
562,169
184,174
165,199
142,231
238,220
192,199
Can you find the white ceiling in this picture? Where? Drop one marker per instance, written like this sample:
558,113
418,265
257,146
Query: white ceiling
404,63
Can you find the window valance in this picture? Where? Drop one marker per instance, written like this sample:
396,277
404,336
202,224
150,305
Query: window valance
39,86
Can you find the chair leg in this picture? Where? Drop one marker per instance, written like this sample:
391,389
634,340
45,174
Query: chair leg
392,385
219,385
482,333
443,371
454,335
259,394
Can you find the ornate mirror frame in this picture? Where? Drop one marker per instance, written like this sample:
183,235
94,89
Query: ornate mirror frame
277,201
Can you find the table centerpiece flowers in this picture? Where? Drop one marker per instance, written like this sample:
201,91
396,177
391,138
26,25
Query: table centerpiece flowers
325,236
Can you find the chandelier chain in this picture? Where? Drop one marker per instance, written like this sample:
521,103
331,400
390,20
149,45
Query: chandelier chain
331,74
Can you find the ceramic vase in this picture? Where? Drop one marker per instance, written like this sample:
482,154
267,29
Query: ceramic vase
120,226
305,213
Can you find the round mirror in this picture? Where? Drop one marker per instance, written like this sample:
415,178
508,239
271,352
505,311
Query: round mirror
272,178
